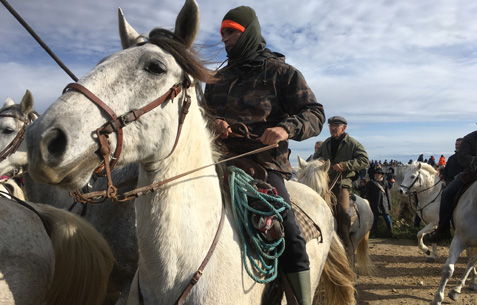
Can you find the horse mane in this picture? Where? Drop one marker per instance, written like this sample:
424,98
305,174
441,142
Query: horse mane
315,177
428,168
187,58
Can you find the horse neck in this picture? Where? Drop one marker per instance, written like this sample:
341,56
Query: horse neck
175,225
430,190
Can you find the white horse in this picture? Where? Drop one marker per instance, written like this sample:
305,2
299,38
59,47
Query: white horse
464,217
50,257
423,180
116,222
176,224
315,175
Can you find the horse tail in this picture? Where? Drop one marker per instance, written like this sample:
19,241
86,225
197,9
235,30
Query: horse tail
337,278
364,264
83,259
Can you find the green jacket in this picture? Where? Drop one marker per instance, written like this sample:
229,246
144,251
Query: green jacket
350,155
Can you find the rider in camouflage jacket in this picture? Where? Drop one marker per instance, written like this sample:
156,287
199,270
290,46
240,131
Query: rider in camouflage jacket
265,92
273,101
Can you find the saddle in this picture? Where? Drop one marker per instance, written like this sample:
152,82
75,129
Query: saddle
249,166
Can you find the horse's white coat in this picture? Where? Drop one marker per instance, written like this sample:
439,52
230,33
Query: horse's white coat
428,187
175,225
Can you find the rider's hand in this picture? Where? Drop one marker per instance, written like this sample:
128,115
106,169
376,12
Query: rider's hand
273,135
338,168
223,128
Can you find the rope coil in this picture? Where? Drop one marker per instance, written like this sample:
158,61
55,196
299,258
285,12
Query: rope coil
264,254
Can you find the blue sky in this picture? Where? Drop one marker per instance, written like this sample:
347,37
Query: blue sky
403,73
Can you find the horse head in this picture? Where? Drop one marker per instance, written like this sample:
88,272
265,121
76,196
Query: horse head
63,146
14,119
314,174
418,176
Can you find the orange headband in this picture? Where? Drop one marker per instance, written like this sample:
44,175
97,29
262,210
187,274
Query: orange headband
231,24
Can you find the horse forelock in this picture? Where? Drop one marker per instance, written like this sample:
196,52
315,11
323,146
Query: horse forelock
187,58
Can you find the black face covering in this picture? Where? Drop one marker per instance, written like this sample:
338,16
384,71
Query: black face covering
249,44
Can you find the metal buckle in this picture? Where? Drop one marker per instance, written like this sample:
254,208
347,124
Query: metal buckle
123,120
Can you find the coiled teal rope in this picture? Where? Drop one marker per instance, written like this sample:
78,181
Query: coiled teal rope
265,254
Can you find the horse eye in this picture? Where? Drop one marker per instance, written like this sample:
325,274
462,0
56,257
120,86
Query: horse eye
155,67
8,131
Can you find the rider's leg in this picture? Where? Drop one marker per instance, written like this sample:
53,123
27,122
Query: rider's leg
294,261
344,220
445,210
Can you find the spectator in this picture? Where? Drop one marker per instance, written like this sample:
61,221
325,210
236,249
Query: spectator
432,161
371,171
379,197
442,161
362,188
390,175
420,158
317,146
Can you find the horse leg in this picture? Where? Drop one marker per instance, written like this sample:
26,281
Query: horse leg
473,280
455,249
454,294
420,239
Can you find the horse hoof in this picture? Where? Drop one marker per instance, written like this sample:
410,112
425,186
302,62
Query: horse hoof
473,286
428,252
430,260
454,295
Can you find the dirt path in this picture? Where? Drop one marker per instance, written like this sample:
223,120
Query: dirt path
403,276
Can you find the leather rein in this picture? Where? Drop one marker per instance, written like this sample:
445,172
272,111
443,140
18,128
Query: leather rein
11,148
116,125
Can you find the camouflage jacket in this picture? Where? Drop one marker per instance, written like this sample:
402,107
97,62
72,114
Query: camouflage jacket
263,93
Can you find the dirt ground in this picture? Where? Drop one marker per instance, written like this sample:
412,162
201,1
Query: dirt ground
403,276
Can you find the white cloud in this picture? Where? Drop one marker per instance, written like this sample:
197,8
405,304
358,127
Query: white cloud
370,61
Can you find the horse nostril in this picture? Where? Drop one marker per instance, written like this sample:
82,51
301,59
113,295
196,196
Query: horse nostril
57,144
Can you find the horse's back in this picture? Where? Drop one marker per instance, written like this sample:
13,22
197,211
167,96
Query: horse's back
26,255
310,202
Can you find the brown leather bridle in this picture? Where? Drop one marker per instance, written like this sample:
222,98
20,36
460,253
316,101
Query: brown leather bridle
11,148
116,124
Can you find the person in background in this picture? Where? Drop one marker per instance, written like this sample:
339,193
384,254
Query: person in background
467,158
371,170
420,158
432,161
379,196
362,188
452,168
390,175
258,91
317,146
347,157
442,161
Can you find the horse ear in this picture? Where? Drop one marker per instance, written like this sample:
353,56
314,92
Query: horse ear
327,165
419,164
302,163
27,102
187,22
8,103
127,33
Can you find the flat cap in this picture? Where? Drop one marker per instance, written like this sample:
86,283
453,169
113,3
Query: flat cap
337,119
